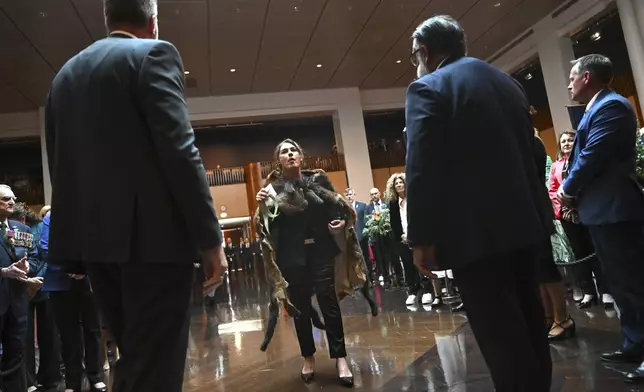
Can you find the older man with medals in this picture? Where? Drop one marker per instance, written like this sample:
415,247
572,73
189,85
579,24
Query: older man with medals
17,248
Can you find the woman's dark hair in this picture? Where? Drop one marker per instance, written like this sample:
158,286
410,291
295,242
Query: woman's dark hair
134,13
568,132
276,154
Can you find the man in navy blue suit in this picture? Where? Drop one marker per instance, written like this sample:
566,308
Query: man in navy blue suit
464,116
16,251
361,210
601,183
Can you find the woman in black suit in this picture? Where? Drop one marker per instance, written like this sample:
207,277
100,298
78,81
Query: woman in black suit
396,198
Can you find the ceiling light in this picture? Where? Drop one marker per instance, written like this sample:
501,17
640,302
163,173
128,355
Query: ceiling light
186,72
319,65
233,70
398,61
497,5
295,9
596,36
528,76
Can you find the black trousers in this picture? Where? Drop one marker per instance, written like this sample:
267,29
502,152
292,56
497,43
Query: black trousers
384,251
582,246
48,344
317,277
13,331
504,309
78,322
412,276
620,248
146,308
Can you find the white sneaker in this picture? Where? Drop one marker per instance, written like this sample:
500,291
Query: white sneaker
607,299
427,299
411,300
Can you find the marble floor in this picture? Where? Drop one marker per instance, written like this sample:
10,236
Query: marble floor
403,349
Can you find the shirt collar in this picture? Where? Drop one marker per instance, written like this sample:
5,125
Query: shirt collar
592,101
121,32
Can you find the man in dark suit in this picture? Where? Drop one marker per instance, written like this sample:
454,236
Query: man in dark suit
17,249
602,184
464,116
361,217
130,193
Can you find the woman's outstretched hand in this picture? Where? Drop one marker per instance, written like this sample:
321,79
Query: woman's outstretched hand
262,195
335,226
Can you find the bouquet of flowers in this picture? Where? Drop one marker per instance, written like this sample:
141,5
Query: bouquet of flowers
639,148
378,223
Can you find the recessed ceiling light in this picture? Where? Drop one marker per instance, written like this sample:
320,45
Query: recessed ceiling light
398,61
596,36
497,5
319,65
42,14
186,72
233,70
295,9
528,76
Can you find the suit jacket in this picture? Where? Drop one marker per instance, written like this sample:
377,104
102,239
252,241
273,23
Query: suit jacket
602,163
13,294
372,207
472,184
128,182
361,218
395,220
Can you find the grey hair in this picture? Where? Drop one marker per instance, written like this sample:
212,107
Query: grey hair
441,34
134,13
599,66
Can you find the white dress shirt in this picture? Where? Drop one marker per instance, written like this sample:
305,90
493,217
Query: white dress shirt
403,214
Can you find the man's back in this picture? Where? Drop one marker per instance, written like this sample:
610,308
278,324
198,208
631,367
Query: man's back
122,158
486,195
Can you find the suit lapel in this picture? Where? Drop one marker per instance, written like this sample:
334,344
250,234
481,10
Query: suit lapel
6,247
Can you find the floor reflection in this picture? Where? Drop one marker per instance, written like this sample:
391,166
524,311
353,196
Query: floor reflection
403,349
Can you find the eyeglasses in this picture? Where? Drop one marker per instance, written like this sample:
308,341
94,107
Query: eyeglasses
8,198
413,58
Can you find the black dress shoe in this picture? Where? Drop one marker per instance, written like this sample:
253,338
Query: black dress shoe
636,376
307,377
346,381
458,308
623,356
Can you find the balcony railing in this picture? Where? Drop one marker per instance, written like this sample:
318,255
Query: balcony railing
383,159
226,176
329,163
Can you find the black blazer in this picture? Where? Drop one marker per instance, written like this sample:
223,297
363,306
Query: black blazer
361,218
13,293
127,180
472,184
396,223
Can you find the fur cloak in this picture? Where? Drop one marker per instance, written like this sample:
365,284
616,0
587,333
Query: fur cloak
350,273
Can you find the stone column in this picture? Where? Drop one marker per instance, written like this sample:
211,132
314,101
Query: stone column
351,139
631,14
46,178
253,175
555,56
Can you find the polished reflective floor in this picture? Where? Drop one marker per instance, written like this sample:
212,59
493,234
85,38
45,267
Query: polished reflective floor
403,349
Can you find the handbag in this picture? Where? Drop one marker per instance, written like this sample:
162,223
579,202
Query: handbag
568,213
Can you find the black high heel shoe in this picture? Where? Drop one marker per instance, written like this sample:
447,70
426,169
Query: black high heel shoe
307,377
366,292
567,333
587,304
345,381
